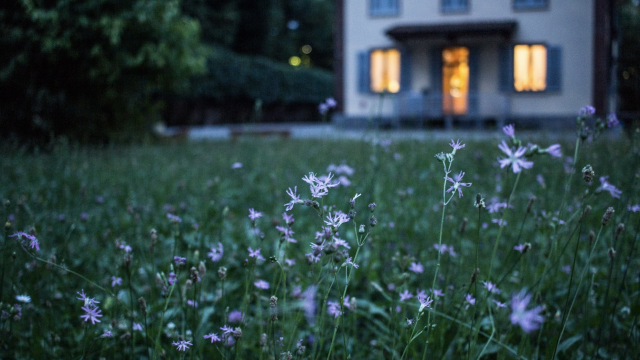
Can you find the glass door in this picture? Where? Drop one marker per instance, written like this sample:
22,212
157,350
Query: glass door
455,80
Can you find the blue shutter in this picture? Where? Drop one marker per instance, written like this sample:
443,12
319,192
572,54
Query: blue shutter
384,7
364,77
505,62
405,70
474,73
454,5
554,68
435,70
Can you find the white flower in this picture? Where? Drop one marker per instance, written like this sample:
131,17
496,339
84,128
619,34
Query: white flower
23,298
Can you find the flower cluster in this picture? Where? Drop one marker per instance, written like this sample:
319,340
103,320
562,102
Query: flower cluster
92,312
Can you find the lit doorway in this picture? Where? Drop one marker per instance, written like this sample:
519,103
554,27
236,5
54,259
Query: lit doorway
455,80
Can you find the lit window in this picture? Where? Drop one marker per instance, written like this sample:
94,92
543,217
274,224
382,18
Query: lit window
530,67
385,70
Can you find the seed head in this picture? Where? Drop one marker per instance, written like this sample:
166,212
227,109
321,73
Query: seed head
612,253
592,236
273,303
530,204
619,229
143,305
588,174
607,216
222,273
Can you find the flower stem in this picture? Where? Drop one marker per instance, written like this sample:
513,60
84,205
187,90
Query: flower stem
495,245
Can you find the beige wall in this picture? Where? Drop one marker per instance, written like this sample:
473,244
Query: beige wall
566,23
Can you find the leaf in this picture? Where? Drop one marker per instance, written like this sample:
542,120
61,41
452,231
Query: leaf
567,343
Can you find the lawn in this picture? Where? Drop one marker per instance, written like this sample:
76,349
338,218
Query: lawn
151,251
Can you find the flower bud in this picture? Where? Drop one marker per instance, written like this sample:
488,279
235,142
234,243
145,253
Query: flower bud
372,207
612,253
592,236
530,204
188,284
607,216
362,229
586,212
441,157
619,229
373,221
143,306
237,333
202,269
588,174
273,304
222,273
479,203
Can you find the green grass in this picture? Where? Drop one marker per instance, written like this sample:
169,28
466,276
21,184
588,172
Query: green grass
49,192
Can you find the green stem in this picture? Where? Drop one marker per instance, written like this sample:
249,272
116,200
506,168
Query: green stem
495,245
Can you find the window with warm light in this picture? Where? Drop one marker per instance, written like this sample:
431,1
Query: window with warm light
385,70
530,67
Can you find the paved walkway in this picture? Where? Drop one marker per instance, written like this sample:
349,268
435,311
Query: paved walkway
328,131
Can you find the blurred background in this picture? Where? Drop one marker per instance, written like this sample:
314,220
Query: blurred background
100,71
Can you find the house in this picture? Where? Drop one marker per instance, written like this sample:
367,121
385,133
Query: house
456,60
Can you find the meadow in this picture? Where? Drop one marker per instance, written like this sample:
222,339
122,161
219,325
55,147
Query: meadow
249,249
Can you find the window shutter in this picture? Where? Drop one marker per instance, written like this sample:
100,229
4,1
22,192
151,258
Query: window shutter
405,70
435,70
554,68
505,70
364,77
384,7
474,68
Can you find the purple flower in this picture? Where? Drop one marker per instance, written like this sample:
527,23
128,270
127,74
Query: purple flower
456,145
405,295
235,316
500,222
216,254
33,242
191,303
173,218
444,248
288,219
338,219
457,184
253,215
528,320
566,269
172,278
254,253
470,299
92,313
349,261
334,309
261,284
286,233
87,300
182,345
437,292
554,150
116,281
236,165
587,110
425,302
323,108
341,242
137,327
213,337
106,334
290,262
515,159
416,268
309,304
331,102
612,120
606,186
226,330
509,130
519,247
498,303
634,208
295,198
492,288
179,260
319,187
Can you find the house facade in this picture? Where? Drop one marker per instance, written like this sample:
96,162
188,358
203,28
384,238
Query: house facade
502,60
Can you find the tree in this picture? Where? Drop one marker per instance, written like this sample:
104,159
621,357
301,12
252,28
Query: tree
91,70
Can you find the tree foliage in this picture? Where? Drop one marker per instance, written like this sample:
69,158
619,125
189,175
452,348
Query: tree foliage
91,69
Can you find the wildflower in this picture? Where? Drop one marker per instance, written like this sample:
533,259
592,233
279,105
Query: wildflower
288,219
235,316
416,268
514,158
23,298
444,248
405,295
309,304
286,233
226,330
116,281
554,150
340,242
137,327
523,248
213,337
437,292
319,187
254,253
634,208
425,302
192,303
290,262
87,300
528,320
173,218
498,303
91,313
456,145
253,215
606,186
338,219
106,334
500,222
236,165
350,262
182,345
509,130
457,184
587,110
470,299
334,309
216,254
612,120
479,203
172,278
179,260
33,242
261,284
492,288
295,199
